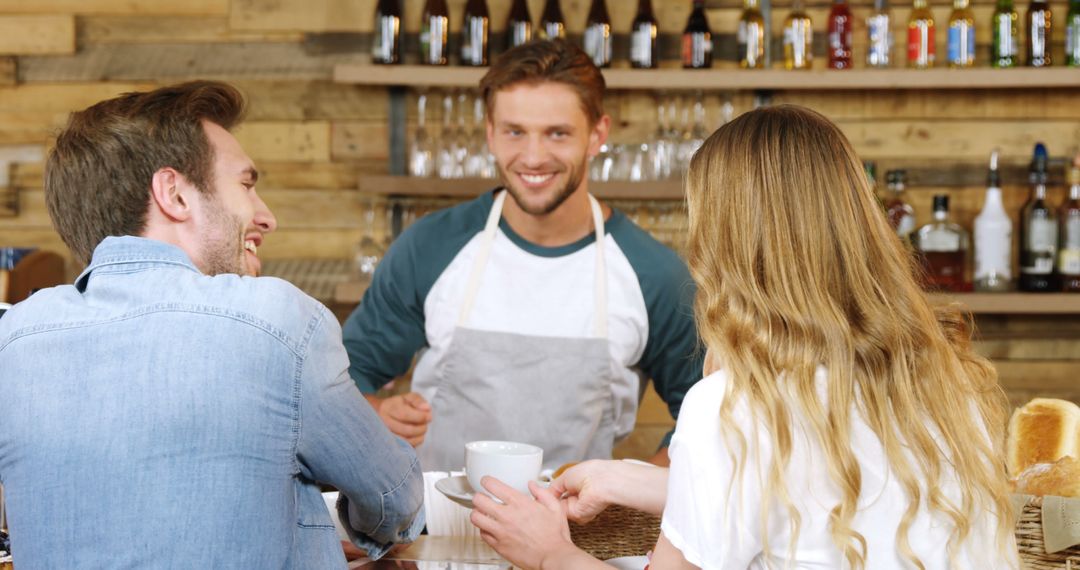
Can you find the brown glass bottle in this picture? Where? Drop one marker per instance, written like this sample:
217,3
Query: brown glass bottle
519,27
643,33
386,37
597,37
434,33
474,34
552,23
697,39
1037,26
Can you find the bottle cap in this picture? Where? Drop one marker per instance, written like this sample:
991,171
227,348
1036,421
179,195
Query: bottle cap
993,177
941,202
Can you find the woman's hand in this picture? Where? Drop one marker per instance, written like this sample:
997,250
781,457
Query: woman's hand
529,533
585,489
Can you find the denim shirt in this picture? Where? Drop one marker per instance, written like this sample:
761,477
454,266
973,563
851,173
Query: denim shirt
155,417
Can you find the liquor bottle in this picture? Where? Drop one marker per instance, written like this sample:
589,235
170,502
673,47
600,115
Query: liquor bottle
1004,47
1069,256
1037,25
1072,34
519,27
386,39
880,39
961,40
993,237
434,31
474,34
920,43
798,38
943,248
839,39
697,39
901,215
750,37
1038,232
597,38
643,33
552,24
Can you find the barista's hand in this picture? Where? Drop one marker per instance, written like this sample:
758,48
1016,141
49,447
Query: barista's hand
407,415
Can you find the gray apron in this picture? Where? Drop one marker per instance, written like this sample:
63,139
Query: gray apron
552,392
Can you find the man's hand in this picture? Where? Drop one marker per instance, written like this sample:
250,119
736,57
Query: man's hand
407,415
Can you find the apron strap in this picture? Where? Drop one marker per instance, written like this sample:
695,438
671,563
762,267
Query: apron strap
600,316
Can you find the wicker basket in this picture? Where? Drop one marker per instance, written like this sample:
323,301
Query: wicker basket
618,531
1029,539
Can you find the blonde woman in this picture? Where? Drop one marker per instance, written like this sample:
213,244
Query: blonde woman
843,422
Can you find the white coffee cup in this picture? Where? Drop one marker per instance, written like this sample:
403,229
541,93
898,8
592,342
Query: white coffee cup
510,462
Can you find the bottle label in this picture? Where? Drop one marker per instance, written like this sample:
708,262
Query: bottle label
993,246
905,226
1072,41
880,36
1041,249
697,49
798,42
1037,34
1005,45
939,240
961,45
598,44
641,42
1069,262
921,44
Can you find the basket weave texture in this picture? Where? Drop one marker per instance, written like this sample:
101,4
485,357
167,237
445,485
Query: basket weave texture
618,531
1029,539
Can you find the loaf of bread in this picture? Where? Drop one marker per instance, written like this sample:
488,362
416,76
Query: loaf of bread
1042,431
1061,478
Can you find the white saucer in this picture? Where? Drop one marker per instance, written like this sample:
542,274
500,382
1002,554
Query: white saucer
628,562
456,489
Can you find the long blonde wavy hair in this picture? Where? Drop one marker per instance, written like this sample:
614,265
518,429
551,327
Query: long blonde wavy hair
797,268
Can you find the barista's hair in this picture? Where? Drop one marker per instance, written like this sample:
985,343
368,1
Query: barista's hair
98,176
798,268
540,61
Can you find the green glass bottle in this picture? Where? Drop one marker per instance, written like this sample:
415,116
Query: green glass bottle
1072,34
1004,48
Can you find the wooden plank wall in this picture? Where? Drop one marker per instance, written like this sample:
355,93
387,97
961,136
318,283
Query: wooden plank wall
312,138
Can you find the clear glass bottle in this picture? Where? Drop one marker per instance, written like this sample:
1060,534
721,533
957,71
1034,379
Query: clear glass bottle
960,47
798,38
1072,34
434,32
552,23
1038,24
839,39
993,237
879,36
421,149
901,215
597,37
943,249
1005,44
920,43
1069,217
750,36
475,32
643,32
386,36
519,27
697,39
1038,232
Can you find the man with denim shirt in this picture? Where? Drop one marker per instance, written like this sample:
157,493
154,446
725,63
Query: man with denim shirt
168,409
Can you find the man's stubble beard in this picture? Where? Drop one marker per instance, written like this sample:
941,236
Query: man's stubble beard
576,175
223,249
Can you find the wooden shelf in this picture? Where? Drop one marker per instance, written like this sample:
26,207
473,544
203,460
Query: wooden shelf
469,187
736,79
1015,303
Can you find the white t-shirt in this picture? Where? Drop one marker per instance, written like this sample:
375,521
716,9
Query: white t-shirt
717,526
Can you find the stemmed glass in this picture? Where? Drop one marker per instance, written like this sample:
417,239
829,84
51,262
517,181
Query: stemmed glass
421,163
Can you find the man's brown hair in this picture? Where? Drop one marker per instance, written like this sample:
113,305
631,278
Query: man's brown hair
98,176
543,61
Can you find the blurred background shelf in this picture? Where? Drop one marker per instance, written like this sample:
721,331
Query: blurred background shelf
1015,303
737,79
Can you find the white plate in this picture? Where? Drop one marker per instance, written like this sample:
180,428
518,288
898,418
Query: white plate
456,489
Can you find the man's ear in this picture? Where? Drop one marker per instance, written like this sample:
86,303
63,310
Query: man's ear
169,190
599,135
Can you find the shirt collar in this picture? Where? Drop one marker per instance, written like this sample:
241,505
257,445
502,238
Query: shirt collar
129,250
